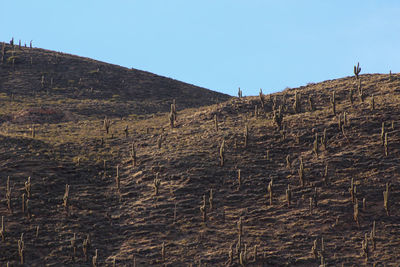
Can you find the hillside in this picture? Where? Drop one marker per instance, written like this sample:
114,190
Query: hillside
91,87
129,223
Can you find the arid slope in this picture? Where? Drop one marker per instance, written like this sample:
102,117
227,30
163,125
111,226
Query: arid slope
131,224
62,79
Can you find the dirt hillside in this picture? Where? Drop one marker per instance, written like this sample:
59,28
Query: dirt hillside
151,205
99,87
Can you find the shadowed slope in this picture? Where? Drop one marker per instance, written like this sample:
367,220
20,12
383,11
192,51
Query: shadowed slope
37,72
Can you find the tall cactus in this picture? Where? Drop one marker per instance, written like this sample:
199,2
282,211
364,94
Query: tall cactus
216,122
316,147
357,70
351,95
386,200
333,102
222,153
66,198
288,196
270,191
3,229
360,91
386,145
21,248
262,99
301,172
203,209
297,104
372,102
107,124
246,135
240,95
8,194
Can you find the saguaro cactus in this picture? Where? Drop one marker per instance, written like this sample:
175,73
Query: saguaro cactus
262,101
126,131
42,81
360,91
28,187
211,199
239,180
333,102
163,252
315,147
311,103
352,191
365,247
240,231
372,236
270,191
8,195
203,209
240,95
314,250
288,164
355,213
231,254
173,109
351,95
117,179
107,124
156,184
21,248
326,178
297,104
3,229
288,196
386,145
301,172
372,102
171,119
159,141
216,122
278,117
3,47
28,209
246,135
324,140
94,259
66,198
357,70
386,200
222,153
23,203
73,246
315,197
85,247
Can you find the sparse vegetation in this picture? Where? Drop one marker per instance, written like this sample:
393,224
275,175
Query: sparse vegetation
284,184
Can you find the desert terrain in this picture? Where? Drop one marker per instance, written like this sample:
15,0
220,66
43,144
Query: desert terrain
102,165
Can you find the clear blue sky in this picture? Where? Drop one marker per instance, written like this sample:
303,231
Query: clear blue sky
218,44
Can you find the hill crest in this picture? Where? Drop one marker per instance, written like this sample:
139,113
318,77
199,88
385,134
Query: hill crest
35,71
